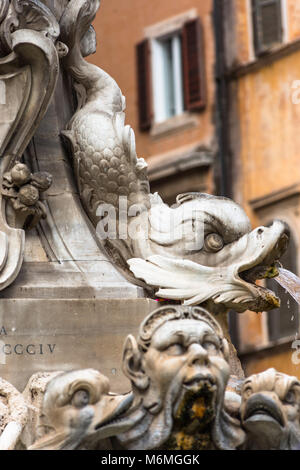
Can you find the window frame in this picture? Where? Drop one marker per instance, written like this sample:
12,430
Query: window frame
191,102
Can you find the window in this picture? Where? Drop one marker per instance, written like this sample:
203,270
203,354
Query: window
267,24
170,72
167,77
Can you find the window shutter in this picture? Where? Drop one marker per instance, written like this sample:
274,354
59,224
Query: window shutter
144,84
193,65
267,24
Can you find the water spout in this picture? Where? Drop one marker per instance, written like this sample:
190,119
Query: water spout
290,282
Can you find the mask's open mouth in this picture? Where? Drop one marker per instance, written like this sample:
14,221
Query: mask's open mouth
197,406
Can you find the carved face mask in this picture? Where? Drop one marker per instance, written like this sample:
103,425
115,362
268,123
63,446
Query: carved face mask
210,254
180,372
185,356
270,411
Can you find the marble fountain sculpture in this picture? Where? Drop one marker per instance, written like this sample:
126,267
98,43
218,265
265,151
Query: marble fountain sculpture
99,249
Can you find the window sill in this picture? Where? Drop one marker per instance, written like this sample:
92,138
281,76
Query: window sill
267,50
250,350
174,124
267,58
275,197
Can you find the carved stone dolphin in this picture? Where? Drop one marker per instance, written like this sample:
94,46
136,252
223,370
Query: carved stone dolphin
75,405
270,411
217,259
198,252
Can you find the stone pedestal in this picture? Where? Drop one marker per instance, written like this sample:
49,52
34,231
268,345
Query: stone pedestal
64,334
69,307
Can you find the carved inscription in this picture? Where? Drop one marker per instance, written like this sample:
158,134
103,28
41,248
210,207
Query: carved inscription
20,349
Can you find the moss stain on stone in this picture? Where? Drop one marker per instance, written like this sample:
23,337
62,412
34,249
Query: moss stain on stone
191,429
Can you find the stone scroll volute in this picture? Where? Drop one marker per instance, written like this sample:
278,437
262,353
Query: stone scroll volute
29,66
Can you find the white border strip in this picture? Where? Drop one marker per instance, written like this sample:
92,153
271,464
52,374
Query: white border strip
285,21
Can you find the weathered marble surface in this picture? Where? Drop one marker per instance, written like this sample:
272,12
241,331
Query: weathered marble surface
178,371
13,415
182,397
66,334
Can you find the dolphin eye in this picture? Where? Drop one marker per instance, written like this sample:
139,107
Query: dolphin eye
213,242
290,397
80,398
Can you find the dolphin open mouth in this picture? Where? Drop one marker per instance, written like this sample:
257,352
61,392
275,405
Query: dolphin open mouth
226,278
115,419
263,266
262,408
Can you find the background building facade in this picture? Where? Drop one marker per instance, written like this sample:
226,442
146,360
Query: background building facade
262,64
213,94
162,56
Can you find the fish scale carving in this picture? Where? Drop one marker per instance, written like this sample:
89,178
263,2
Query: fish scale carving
104,166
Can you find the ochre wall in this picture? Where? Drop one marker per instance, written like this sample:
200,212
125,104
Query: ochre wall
243,30
281,361
266,149
293,15
269,128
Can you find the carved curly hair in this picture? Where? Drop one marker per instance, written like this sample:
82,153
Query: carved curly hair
173,312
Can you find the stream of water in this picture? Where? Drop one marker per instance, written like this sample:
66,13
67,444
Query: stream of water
290,282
